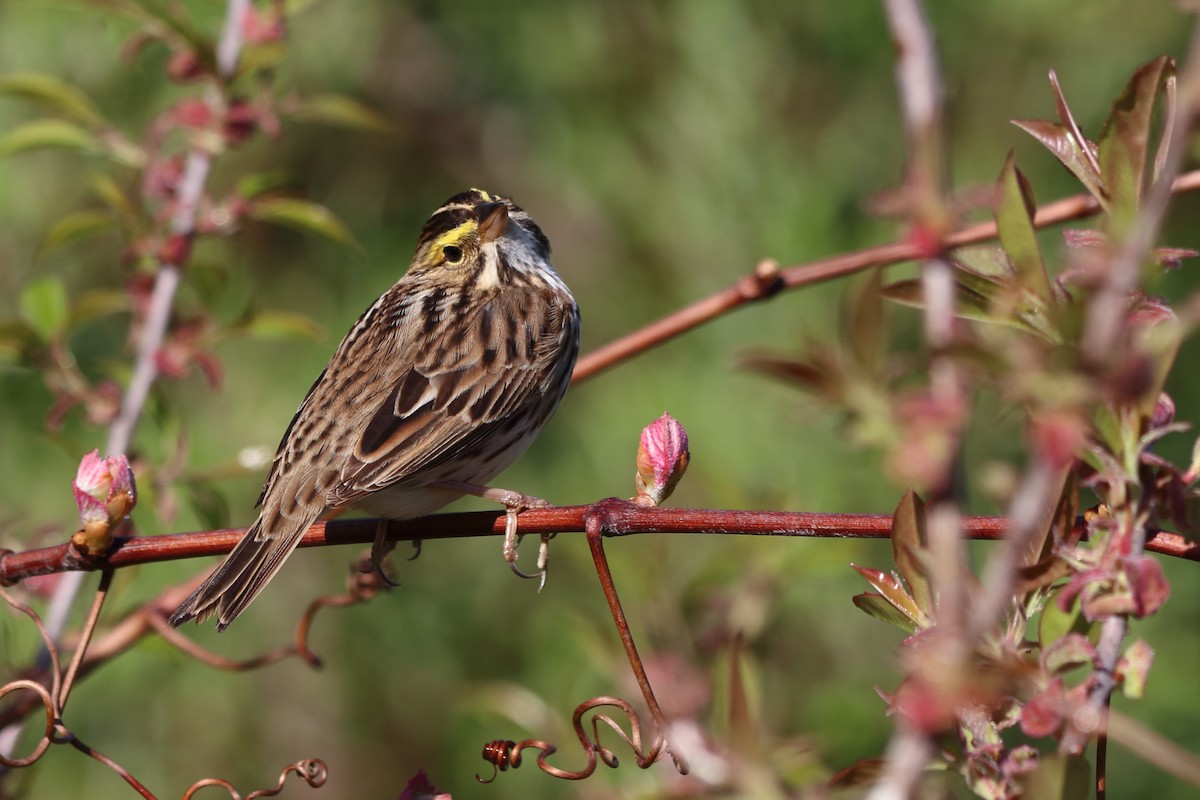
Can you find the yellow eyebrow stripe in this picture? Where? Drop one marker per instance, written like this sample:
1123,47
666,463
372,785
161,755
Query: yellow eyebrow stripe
487,198
456,234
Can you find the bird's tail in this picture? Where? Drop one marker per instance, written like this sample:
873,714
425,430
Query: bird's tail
239,579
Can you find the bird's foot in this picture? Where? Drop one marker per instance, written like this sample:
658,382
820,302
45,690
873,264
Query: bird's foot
514,503
380,549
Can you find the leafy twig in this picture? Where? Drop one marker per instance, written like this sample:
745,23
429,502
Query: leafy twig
769,280
166,282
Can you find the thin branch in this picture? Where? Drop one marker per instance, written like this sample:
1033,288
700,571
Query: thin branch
154,327
622,519
166,282
764,284
634,520
1153,747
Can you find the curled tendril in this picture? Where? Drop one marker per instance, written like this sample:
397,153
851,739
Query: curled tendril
505,753
47,736
362,585
311,770
54,697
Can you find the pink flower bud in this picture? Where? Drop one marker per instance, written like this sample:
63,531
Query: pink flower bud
105,492
1164,412
661,460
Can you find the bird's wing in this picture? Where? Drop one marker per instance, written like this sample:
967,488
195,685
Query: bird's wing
467,387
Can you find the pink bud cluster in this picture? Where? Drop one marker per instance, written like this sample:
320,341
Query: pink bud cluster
105,493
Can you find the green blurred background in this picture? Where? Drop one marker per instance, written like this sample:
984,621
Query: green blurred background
665,148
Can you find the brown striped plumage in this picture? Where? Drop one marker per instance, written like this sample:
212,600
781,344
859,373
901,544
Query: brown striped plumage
446,378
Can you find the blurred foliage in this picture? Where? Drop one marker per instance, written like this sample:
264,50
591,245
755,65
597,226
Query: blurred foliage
665,148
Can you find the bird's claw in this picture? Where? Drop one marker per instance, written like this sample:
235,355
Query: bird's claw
512,539
380,549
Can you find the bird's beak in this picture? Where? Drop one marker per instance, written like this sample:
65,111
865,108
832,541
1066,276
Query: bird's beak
493,221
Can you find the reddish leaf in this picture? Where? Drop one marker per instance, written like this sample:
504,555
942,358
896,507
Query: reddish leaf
1042,715
817,370
924,704
1071,651
1021,760
1059,141
1147,585
864,323
1172,257
1085,237
419,788
908,539
1125,139
865,772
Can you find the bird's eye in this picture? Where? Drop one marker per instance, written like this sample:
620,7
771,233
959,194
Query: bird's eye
453,254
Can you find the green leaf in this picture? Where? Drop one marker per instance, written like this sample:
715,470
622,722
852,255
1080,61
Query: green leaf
16,338
1054,623
75,227
908,539
1058,777
282,324
97,303
301,215
48,133
1134,668
164,20
878,607
115,198
52,92
343,112
43,305
971,302
260,57
1015,207
253,185
1124,141
895,593
1170,110
988,261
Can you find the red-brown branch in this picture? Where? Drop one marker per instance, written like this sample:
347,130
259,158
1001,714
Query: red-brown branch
630,520
767,281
